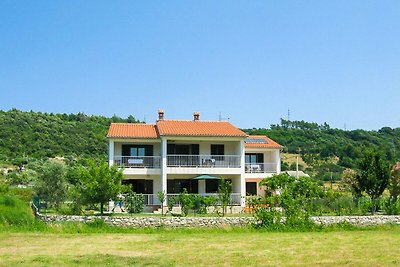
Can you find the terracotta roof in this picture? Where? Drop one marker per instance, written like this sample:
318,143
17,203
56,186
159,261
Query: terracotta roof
261,141
132,130
198,128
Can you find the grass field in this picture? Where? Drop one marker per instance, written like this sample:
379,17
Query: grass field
237,247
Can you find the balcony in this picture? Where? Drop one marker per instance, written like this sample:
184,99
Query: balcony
204,161
261,167
151,162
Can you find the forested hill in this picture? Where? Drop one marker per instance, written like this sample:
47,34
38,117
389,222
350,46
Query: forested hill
321,142
39,135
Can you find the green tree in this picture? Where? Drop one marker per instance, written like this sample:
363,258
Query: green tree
99,183
51,183
224,194
373,176
161,197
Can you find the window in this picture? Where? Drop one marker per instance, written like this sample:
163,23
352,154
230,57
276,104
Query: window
254,158
251,188
137,150
217,150
181,149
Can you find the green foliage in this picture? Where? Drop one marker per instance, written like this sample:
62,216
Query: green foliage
99,183
51,184
391,206
374,175
42,135
17,213
134,202
224,194
161,197
321,142
296,197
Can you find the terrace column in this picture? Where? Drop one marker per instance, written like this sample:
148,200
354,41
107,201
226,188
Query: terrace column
110,152
164,167
242,175
278,161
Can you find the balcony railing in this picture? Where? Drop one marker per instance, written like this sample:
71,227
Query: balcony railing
234,200
204,161
137,162
261,167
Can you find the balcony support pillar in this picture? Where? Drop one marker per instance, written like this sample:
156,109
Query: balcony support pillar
163,167
242,175
110,152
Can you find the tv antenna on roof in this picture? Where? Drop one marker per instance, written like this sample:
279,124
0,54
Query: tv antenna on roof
222,119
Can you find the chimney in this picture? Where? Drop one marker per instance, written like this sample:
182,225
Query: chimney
196,116
160,114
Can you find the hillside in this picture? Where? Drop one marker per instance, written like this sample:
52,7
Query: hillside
328,148
40,135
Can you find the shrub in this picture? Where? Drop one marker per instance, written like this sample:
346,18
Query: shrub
391,206
365,205
134,202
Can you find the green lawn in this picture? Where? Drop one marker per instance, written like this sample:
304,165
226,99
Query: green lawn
229,247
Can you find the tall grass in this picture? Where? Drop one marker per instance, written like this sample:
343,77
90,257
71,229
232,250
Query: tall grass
14,212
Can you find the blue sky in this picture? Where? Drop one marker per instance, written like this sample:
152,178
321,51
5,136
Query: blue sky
327,61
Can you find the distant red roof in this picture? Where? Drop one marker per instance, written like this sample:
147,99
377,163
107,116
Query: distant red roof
261,141
132,130
198,128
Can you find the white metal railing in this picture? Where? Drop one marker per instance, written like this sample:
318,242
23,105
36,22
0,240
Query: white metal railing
151,199
235,198
261,167
138,161
206,161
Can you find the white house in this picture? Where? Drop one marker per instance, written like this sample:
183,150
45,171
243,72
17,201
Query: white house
170,155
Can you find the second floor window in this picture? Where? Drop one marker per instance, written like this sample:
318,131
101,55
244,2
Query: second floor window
217,150
137,150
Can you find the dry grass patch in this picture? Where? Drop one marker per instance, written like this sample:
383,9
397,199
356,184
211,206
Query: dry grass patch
204,248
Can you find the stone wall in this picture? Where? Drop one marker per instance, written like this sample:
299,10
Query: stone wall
153,221
136,222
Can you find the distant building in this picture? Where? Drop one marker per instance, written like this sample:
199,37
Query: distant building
297,174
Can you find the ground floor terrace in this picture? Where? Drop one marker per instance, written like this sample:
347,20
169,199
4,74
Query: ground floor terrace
204,185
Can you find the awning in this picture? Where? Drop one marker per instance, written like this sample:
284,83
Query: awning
206,177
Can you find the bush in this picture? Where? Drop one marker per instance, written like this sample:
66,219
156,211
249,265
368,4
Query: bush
268,218
391,206
365,205
134,202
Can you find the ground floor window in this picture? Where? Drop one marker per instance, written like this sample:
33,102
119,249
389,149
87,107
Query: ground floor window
212,185
140,186
176,186
251,188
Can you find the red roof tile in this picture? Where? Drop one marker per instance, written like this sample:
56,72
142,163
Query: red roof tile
132,130
198,128
264,142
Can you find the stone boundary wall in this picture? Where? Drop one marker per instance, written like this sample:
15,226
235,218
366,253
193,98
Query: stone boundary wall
137,222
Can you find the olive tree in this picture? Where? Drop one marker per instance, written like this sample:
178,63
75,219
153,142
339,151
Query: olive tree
99,183
51,183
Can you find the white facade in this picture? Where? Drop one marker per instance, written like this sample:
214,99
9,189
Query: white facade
168,172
